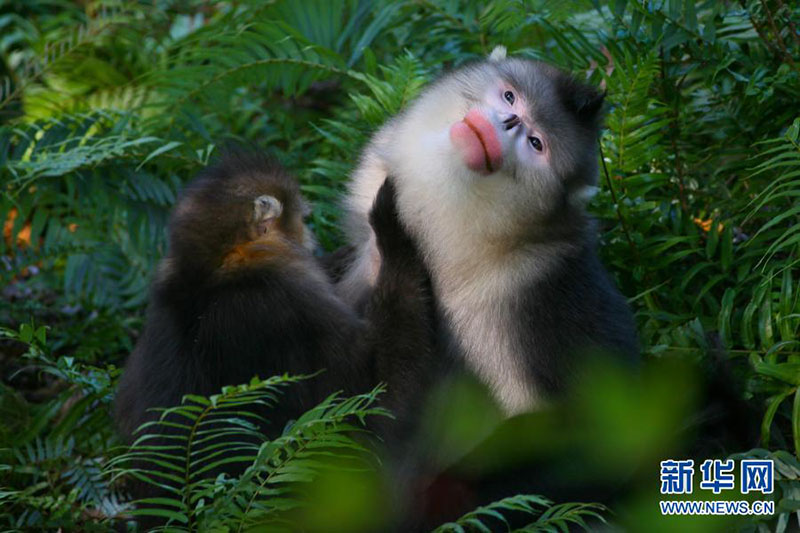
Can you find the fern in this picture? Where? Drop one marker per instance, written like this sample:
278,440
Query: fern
549,517
222,429
53,451
780,156
34,67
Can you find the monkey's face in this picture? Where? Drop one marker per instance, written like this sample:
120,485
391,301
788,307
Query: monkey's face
497,125
502,141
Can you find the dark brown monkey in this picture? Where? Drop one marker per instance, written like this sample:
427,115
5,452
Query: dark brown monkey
240,294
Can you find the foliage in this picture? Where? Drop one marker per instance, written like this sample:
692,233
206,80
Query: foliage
51,460
108,106
553,518
221,429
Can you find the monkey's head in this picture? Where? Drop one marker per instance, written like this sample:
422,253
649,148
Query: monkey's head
510,144
242,210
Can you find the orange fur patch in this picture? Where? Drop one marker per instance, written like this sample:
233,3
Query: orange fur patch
264,250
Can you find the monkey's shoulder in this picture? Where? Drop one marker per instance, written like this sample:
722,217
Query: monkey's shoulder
578,305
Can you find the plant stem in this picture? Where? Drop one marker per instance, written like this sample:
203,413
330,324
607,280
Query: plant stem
616,203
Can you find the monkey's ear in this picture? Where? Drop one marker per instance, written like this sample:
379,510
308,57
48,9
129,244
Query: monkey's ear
498,54
592,105
584,100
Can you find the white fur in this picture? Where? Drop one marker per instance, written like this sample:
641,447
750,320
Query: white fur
479,300
476,276
367,179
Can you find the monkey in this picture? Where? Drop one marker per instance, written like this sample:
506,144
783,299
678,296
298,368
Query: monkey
493,165
240,293
236,296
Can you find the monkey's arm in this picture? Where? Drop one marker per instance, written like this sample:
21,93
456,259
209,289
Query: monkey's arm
400,313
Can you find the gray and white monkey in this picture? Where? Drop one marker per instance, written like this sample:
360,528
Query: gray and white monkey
493,165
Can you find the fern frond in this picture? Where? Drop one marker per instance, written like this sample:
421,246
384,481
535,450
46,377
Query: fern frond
202,435
269,54
37,66
636,121
781,161
319,439
59,146
550,517
396,88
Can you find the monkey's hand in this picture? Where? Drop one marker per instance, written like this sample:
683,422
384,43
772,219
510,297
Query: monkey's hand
394,243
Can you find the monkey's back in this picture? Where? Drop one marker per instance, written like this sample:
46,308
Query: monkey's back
201,335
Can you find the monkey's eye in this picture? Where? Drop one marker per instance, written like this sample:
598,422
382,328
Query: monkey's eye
509,97
536,142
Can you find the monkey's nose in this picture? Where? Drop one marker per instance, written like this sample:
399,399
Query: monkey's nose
511,121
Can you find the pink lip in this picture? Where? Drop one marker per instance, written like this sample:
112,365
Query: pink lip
476,137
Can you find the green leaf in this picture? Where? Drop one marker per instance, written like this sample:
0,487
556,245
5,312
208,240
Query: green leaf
772,407
158,151
26,333
796,423
724,317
